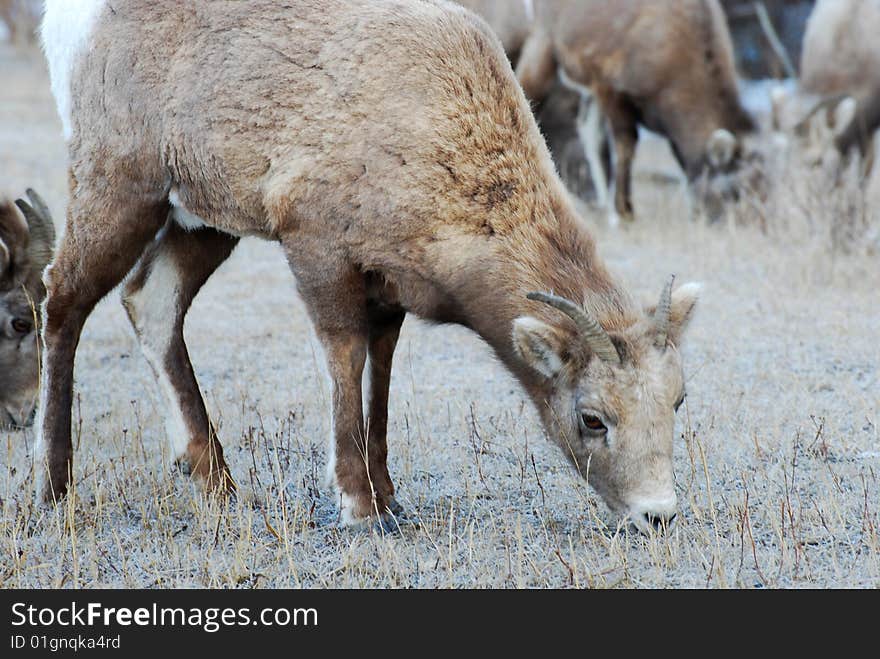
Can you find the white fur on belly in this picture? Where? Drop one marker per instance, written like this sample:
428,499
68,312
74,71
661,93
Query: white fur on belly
182,216
66,32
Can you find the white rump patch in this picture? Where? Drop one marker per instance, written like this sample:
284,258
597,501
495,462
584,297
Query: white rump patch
183,217
66,32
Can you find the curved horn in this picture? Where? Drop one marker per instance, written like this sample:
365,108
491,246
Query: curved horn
661,314
589,329
41,227
13,236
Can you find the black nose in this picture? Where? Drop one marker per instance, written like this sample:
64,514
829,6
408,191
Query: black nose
659,521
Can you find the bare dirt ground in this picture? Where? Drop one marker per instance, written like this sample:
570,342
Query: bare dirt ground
777,458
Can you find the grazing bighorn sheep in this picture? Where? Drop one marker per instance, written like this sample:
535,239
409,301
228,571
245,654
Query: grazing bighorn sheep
665,65
837,104
388,148
25,249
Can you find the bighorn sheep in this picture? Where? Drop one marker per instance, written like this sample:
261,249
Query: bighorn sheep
25,249
665,65
388,148
837,104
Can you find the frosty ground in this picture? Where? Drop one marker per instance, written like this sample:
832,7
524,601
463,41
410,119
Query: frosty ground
777,447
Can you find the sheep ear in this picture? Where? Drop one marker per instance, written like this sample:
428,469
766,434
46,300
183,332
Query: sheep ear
684,301
540,345
41,227
843,115
721,148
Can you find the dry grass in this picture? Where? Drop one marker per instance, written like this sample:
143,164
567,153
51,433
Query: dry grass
777,462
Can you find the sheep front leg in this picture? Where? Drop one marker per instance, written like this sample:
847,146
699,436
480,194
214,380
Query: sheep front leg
334,292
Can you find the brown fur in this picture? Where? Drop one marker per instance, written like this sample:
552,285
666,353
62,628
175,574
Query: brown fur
666,65
386,145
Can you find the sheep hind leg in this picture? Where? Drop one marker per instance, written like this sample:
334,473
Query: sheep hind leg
157,297
624,129
591,131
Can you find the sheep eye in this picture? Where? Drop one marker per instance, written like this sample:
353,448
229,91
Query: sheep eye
21,326
593,425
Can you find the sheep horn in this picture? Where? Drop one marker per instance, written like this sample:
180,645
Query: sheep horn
661,315
589,329
41,227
